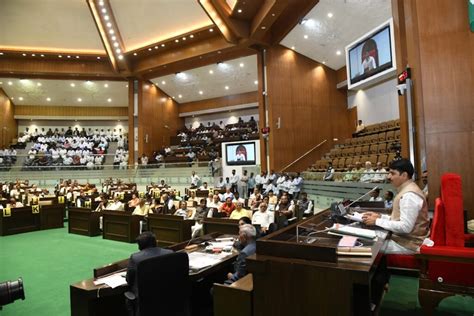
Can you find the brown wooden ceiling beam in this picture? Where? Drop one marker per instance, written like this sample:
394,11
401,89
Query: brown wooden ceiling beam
57,69
117,59
289,18
265,17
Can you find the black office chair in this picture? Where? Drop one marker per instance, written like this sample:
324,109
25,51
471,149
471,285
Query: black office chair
163,286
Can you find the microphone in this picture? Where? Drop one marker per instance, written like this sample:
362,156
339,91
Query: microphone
338,210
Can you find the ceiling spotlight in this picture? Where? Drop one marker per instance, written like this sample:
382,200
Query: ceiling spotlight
303,21
109,25
77,57
200,92
109,100
324,62
10,83
211,30
191,36
120,57
20,98
135,54
255,82
156,47
111,31
180,96
239,10
101,3
98,57
211,71
104,10
42,55
184,38
48,99
163,82
118,51
305,36
106,85
330,15
149,49
113,38
106,17
24,54
89,82
241,64
33,55
176,40
60,56
68,56
39,84
292,47
79,100
1,53
73,85
338,52
116,44
263,27
226,87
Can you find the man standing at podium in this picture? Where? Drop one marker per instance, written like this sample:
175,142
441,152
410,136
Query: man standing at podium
409,221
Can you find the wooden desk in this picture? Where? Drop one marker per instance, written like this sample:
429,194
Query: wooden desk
90,299
23,219
311,280
169,229
238,295
221,225
83,221
120,226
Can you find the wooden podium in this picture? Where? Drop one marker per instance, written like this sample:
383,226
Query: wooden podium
120,226
31,218
83,221
169,229
293,277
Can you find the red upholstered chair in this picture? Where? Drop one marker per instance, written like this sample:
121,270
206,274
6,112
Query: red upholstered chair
447,268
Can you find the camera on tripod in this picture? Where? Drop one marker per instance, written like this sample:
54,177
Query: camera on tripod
11,291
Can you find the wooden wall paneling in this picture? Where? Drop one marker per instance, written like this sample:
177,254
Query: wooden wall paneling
262,119
131,123
341,74
8,125
216,103
70,111
446,53
303,96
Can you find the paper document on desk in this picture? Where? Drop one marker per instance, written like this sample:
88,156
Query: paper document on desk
353,231
201,260
222,244
114,280
356,217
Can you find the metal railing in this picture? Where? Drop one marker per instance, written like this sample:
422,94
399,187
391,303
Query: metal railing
304,155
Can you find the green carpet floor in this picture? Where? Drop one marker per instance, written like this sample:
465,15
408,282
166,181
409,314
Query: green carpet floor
49,261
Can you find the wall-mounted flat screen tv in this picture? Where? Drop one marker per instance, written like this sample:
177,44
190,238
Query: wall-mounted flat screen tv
238,154
371,57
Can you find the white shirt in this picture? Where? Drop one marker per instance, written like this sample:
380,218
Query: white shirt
380,175
264,219
410,206
367,176
234,179
194,180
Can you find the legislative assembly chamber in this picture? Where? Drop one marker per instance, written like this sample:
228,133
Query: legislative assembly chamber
236,157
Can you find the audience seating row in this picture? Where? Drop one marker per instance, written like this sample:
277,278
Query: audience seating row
373,138
380,127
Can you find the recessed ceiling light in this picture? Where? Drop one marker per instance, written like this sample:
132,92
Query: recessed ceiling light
48,99
89,82
1,53
163,82
226,87
104,10
101,3
241,64
20,98
292,47
135,54
109,25
255,82
60,56
111,31
120,57
98,57
24,54
114,38
118,50
330,15
162,45
1,82
338,52
211,71
77,57
79,100
149,49
73,85
42,55
33,55
106,85
156,47
184,38
211,30
68,56
106,17
39,84
126,86
273,14
191,36
200,92
180,96
324,62
239,10
116,44
109,100
10,83
305,36
176,40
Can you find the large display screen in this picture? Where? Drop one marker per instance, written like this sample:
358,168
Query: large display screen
240,154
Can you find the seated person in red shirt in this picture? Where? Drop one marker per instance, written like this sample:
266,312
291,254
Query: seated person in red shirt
226,208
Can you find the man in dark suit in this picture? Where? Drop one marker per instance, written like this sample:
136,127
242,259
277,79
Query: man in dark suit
247,236
148,249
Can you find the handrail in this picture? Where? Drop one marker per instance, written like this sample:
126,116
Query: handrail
301,157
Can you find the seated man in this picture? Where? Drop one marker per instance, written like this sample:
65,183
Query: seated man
304,204
184,211
409,220
329,175
368,173
141,209
263,218
201,213
240,212
225,209
247,236
380,174
375,196
116,205
148,249
285,208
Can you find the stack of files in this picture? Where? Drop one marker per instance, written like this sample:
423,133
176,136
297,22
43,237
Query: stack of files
348,245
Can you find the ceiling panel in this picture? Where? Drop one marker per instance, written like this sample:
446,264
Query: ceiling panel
143,22
66,92
216,80
320,37
48,25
